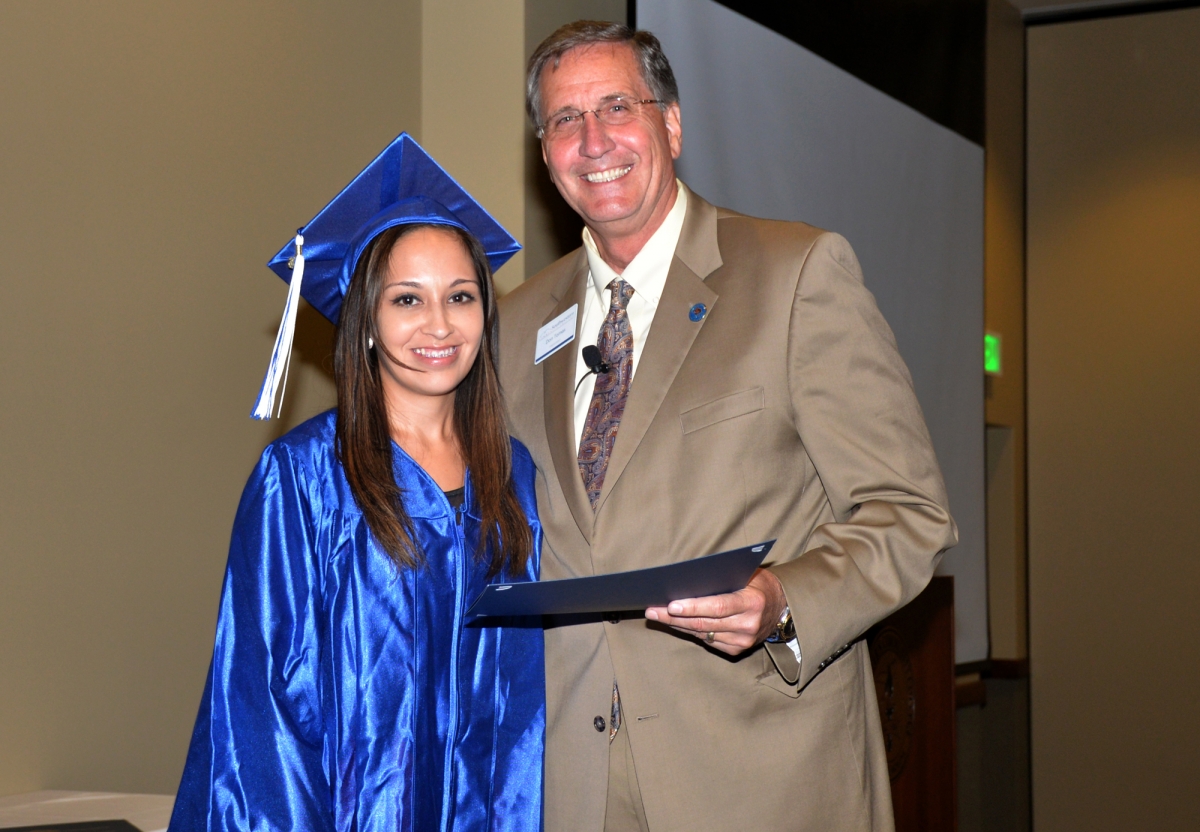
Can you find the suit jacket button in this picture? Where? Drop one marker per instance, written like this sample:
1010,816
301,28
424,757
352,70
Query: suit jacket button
613,618
599,724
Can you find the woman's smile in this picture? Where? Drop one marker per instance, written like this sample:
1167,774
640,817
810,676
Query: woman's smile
437,356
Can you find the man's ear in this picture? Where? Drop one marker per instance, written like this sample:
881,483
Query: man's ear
546,162
674,124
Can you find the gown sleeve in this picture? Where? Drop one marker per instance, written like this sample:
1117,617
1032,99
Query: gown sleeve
257,756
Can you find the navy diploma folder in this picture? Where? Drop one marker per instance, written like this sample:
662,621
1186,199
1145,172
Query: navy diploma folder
620,591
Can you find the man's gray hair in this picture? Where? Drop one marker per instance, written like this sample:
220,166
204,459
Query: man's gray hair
656,69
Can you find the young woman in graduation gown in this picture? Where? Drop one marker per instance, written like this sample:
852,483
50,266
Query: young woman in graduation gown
347,690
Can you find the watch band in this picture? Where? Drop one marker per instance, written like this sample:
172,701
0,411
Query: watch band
785,628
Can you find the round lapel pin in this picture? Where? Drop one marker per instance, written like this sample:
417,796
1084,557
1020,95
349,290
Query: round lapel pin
696,313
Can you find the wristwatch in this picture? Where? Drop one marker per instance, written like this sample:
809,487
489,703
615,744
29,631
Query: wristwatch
785,628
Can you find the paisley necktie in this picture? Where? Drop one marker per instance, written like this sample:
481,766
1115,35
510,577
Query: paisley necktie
604,417
608,397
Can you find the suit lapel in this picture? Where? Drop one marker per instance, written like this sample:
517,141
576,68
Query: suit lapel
558,380
671,335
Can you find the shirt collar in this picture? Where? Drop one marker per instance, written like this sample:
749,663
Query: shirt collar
647,272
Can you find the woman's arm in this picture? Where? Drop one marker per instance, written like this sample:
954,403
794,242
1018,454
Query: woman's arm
256,757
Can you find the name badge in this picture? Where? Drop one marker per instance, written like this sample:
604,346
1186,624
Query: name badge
555,335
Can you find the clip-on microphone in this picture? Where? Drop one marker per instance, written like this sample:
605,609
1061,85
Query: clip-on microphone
595,363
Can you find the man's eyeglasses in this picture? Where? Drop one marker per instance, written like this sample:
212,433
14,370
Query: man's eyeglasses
614,113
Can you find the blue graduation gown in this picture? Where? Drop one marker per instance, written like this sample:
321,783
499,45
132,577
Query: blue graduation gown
347,694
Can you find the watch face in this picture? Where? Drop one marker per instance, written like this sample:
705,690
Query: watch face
897,699
785,629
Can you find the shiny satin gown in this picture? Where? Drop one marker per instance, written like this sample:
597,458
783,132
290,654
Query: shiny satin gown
347,694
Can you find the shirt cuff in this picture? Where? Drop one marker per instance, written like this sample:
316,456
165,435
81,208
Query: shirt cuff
795,645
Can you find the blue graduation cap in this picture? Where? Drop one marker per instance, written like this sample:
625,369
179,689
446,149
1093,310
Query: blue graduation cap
402,185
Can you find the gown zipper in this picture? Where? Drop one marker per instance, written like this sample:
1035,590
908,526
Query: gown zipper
452,729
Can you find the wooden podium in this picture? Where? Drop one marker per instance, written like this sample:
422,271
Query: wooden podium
912,653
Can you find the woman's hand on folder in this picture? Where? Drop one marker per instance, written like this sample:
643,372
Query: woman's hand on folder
731,623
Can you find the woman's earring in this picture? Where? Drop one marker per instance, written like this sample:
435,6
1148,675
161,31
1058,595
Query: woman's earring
370,343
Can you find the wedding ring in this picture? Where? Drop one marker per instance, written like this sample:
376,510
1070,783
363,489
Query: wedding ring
710,637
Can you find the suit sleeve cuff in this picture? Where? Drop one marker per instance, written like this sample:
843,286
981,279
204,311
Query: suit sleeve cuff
786,657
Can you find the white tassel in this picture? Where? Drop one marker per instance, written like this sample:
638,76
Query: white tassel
281,358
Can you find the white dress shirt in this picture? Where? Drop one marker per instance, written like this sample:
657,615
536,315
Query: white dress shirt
647,274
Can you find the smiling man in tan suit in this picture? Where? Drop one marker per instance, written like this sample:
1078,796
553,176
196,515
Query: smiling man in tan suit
752,391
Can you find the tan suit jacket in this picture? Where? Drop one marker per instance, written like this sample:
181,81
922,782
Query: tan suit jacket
785,413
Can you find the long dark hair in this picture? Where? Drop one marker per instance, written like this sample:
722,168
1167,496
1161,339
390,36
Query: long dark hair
364,442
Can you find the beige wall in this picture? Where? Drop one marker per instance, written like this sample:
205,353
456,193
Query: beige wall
472,110
1114,421
551,228
153,156
1004,310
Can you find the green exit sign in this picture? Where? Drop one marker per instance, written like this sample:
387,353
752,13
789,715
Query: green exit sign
991,354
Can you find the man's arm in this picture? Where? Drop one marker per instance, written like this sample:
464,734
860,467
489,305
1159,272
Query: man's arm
738,620
858,417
